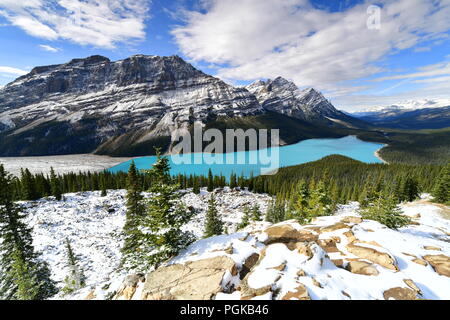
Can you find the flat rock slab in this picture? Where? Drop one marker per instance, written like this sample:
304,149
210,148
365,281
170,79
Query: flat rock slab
196,280
288,234
380,258
440,264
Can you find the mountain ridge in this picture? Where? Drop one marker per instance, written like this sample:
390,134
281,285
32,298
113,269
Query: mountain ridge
95,105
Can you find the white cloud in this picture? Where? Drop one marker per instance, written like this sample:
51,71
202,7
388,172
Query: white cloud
12,71
48,48
312,47
101,23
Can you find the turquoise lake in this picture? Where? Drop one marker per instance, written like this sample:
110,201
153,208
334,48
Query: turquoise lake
301,152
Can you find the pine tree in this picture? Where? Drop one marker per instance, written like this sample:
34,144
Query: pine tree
213,225
134,215
22,275
441,192
276,212
409,189
299,209
104,192
386,211
233,182
28,186
210,181
256,213
159,233
196,186
75,280
55,186
245,218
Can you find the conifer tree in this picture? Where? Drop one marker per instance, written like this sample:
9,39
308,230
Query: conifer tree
196,186
22,275
441,192
276,211
75,280
213,225
409,189
256,213
385,210
245,218
233,182
210,181
160,234
55,186
134,215
28,186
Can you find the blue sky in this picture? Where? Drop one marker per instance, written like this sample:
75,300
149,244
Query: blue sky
359,53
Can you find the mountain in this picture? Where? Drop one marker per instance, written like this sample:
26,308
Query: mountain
401,118
283,96
126,107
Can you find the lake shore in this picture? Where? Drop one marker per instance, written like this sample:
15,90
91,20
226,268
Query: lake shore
377,154
61,164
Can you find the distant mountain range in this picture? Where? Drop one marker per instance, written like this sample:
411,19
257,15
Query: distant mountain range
413,115
126,107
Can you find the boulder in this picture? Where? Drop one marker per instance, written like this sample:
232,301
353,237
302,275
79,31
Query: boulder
362,267
300,293
334,227
432,248
381,258
440,264
129,286
420,261
195,280
412,285
248,264
352,219
305,249
328,245
286,234
399,293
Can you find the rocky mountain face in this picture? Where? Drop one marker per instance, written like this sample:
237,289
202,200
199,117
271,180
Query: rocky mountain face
283,96
126,107
401,118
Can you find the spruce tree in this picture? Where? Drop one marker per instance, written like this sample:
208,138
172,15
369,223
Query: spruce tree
160,235
55,186
196,185
210,181
213,225
22,275
28,186
75,280
256,213
245,218
441,191
134,215
385,210
276,212
410,189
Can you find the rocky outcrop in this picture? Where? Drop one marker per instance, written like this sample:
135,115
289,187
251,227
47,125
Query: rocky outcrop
283,96
399,293
95,104
381,258
440,263
195,280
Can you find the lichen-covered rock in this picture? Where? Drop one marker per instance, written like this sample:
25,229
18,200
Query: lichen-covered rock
196,280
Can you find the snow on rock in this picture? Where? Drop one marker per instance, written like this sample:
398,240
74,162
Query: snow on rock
335,257
93,225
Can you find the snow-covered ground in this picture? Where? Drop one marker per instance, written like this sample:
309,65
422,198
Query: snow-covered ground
93,226
61,164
